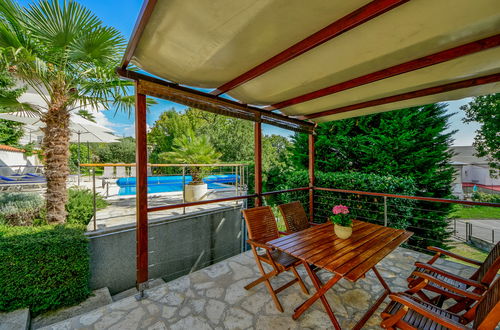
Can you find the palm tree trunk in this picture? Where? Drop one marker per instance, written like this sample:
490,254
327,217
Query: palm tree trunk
56,149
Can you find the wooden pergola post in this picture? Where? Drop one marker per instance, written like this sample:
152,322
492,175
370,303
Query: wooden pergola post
141,155
258,162
311,177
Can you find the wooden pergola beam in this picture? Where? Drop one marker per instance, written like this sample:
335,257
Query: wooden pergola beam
410,95
420,63
190,97
344,24
140,25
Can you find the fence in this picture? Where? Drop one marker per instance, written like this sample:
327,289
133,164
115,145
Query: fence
166,186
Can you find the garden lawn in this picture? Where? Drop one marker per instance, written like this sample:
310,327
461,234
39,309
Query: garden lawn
467,251
475,212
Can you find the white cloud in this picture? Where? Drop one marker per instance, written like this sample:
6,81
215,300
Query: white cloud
129,130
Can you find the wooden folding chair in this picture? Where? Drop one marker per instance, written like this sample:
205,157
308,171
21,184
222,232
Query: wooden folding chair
427,277
295,217
261,226
408,312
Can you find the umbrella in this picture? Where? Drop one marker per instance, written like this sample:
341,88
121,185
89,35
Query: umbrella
82,130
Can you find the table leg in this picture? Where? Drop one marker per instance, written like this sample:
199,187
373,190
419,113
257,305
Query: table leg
320,291
379,301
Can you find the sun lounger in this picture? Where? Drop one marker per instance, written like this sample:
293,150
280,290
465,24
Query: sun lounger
108,172
120,172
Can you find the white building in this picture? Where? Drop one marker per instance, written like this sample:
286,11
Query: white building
471,171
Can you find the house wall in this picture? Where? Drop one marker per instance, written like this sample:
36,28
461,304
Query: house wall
10,160
176,247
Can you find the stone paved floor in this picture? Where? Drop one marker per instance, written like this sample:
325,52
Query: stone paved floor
214,298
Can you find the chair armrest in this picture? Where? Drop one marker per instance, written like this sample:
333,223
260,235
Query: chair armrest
450,275
315,224
283,232
423,310
454,255
448,286
258,244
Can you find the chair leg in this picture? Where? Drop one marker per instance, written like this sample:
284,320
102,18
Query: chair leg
297,276
265,279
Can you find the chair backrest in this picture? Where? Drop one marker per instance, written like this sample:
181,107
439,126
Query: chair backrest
488,310
490,267
295,216
120,172
108,171
261,224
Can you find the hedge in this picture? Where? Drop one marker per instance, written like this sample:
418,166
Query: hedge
363,207
43,267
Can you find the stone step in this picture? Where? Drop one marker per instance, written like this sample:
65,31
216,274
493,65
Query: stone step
99,298
16,320
133,291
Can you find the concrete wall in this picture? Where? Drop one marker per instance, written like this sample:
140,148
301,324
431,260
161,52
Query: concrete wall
176,247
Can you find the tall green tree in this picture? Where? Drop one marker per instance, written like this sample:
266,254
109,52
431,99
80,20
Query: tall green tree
411,142
65,53
485,110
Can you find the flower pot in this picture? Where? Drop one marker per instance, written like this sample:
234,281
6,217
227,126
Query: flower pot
342,232
195,192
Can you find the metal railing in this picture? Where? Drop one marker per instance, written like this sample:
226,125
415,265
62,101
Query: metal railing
235,184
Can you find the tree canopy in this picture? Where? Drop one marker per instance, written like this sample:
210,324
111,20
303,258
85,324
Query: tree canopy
409,143
486,111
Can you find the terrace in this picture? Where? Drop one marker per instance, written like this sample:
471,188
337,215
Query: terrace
288,80
290,83
214,298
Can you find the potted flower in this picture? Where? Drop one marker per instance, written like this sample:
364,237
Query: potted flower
342,221
193,149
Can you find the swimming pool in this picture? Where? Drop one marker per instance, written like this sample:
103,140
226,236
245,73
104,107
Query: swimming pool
159,184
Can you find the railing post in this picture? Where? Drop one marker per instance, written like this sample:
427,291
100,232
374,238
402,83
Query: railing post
258,161
94,201
183,188
141,193
493,236
385,211
311,177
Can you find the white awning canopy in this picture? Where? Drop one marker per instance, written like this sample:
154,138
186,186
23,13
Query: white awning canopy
324,60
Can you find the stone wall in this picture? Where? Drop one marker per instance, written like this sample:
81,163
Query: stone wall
176,247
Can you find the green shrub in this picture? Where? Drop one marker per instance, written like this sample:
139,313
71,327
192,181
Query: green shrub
362,207
21,209
484,197
43,268
80,205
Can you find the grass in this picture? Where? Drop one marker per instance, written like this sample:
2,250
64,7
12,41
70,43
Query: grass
467,251
475,212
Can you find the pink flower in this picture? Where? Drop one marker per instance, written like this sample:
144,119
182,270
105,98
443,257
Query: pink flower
340,209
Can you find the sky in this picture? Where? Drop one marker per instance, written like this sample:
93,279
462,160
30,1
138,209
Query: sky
122,15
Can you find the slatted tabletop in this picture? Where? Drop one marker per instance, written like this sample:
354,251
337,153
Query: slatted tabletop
350,258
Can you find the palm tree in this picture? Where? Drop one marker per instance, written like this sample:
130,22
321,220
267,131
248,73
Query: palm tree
86,114
192,149
66,54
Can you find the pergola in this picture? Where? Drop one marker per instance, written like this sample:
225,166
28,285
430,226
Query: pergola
295,63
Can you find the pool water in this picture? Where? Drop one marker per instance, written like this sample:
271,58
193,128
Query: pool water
166,187
159,184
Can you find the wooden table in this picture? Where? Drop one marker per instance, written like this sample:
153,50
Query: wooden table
347,258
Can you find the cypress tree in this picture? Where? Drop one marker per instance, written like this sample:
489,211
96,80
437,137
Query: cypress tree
412,142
